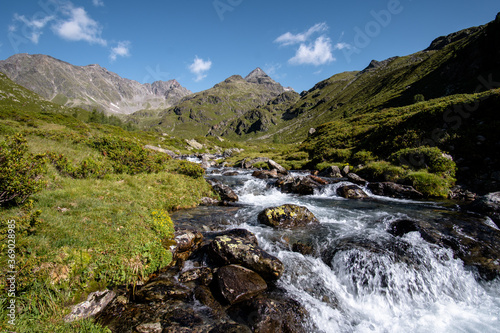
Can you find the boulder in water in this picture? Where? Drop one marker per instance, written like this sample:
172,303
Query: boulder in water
488,205
237,283
265,174
225,192
287,217
275,166
332,172
351,192
228,250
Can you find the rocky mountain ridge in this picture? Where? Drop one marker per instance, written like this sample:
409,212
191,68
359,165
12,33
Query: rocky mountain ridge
89,87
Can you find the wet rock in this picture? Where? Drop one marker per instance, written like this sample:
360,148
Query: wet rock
237,283
204,295
488,205
228,250
230,328
393,190
149,328
275,166
287,217
265,174
332,172
203,274
162,289
473,241
268,315
461,194
186,243
231,173
225,192
302,248
285,183
94,304
354,178
304,185
351,192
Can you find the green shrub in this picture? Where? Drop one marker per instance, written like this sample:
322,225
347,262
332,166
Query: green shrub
190,169
297,156
430,158
128,156
382,171
363,157
429,184
21,173
336,155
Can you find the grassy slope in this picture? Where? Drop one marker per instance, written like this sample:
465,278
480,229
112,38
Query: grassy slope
88,233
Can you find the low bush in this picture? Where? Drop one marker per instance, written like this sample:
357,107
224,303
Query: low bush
363,157
431,185
430,158
382,171
190,169
21,173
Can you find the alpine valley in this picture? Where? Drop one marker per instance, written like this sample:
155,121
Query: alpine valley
385,183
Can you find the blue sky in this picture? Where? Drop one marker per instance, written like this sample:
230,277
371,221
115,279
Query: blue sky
202,42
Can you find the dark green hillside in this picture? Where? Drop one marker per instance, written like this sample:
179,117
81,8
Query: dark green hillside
464,62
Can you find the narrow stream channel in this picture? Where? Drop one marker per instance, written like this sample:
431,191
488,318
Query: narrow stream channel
358,277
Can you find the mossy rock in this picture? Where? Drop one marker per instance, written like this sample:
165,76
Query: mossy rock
287,217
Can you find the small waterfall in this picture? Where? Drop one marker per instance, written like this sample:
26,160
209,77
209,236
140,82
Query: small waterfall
359,277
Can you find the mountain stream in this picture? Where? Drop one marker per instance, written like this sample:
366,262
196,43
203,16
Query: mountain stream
358,277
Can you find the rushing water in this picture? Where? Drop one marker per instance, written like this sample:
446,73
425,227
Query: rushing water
360,278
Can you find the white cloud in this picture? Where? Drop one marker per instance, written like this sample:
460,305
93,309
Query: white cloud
272,68
121,50
199,67
342,45
36,26
79,27
290,39
319,53
98,3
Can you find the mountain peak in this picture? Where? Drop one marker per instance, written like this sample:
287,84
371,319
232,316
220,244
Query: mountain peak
256,73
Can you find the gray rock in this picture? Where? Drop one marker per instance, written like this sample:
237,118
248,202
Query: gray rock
393,190
94,304
488,205
275,166
161,150
354,178
332,171
225,192
149,328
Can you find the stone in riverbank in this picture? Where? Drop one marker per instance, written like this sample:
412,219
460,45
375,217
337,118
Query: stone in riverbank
488,205
228,250
237,283
393,190
287,217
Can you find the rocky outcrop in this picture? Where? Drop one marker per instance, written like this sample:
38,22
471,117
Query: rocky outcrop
237,283
393,190
287,217
227,250
351,192
354,178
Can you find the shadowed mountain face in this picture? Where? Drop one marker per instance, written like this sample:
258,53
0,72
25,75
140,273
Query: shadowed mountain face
89,87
